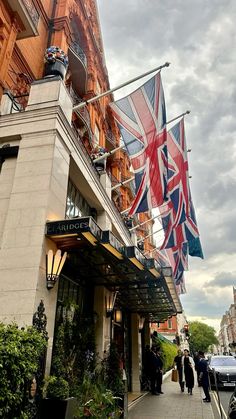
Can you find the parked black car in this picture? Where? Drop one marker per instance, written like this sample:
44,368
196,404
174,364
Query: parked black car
223,368
232,406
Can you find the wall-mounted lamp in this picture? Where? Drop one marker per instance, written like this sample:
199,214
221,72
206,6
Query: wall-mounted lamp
141,323
118,316
54,265
109,303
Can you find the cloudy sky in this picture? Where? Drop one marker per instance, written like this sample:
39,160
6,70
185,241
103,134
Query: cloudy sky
198,37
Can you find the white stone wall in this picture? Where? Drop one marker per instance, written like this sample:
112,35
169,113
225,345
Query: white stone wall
33,189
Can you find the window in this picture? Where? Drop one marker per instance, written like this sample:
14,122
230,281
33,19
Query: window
76,205
169,324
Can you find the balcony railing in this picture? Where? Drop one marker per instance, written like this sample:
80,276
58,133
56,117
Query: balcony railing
78,67
111,138
82,113
32,11
77,48
29,17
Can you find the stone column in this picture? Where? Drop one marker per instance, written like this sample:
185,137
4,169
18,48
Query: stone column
147,333
104,327
135,352
103,219
38,193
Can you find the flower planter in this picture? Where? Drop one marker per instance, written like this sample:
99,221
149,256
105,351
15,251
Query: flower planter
100,166
59,409
56,68
128,223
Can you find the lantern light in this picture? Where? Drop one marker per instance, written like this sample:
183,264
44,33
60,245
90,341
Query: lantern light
54,265
109,303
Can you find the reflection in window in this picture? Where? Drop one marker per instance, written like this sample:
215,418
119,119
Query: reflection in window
76,205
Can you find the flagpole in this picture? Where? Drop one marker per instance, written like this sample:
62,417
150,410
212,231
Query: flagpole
93,99
151,250
122,146
141,240
122,183
126,210
177,117
139,225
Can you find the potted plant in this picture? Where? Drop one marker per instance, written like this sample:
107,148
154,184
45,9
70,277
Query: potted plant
56,62
99,151
128,221
57,402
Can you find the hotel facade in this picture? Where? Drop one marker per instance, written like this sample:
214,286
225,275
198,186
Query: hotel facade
53,195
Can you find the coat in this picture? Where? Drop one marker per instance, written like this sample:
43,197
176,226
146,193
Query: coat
188,375
203,370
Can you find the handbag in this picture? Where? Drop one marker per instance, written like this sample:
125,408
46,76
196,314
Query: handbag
174,375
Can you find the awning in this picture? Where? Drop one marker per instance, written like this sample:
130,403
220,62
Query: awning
99,257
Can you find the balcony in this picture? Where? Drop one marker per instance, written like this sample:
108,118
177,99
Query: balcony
83,122
78,68
110,140
29,17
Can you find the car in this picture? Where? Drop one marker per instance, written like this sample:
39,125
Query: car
222,371
232,406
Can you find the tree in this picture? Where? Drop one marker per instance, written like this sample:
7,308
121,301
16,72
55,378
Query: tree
201,336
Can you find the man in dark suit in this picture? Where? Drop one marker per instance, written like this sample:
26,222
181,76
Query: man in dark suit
159,371
203,376
153,370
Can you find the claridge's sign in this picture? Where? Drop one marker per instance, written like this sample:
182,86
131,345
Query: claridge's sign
74,226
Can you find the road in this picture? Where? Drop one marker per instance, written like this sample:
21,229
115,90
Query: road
224,396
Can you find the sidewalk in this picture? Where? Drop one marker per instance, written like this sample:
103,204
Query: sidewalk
172,404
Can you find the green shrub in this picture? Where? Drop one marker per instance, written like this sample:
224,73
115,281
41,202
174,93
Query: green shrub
20,350
112,372
57,388
168,350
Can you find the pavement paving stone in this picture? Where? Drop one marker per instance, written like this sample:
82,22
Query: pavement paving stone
172,405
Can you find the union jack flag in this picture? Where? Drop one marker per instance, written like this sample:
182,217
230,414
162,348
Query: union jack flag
177,260
178,178
141,118
175,235
180,286
178,216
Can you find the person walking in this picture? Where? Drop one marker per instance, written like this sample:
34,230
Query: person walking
178,364
203,376
188,366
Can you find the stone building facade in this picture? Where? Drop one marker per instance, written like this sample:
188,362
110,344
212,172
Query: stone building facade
52,195
227,333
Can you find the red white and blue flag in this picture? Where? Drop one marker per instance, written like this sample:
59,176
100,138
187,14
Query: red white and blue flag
178,178
178,216
178,261
141,118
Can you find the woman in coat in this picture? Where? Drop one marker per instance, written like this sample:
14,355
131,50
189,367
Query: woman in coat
188,367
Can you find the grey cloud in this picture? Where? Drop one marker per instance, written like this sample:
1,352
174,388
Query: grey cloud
197,303
198,37
223,280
